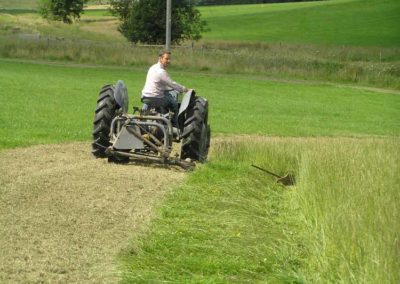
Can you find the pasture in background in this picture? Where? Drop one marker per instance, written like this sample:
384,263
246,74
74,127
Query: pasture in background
361,41
344,22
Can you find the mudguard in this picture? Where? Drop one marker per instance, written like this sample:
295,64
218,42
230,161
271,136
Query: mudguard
121,96
187,99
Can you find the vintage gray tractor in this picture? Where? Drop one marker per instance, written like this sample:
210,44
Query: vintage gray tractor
148,135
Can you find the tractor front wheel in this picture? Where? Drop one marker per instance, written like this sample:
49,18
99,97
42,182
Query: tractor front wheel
196,132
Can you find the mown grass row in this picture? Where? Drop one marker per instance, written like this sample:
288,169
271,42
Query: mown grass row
337,225
237,229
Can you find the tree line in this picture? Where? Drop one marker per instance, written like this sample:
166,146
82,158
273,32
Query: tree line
141,21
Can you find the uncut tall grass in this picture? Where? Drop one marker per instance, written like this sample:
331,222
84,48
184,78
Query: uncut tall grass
348,198
349,195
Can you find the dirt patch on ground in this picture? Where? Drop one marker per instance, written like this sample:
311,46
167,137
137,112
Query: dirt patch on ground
64,216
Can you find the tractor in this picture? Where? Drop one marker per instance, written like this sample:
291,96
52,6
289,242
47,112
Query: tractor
148,134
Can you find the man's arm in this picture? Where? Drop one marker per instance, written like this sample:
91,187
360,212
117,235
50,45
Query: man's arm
172,84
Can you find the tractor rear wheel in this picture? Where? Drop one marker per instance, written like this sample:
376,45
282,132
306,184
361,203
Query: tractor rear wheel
196,132
104,114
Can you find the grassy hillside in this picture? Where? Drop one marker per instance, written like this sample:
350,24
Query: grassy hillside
252,39
337,22
348,22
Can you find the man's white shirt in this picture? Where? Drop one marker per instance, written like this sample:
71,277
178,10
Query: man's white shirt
158,81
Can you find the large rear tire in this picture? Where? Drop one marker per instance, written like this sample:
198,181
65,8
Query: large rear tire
105,112
196,132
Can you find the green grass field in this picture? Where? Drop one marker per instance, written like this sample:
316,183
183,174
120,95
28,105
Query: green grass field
292,88
327,22
269,108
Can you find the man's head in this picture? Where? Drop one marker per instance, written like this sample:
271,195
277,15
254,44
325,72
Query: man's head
165,58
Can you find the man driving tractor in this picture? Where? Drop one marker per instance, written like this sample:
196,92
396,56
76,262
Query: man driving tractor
156,91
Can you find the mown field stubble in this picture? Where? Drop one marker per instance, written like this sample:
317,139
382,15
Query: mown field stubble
316,99
65,215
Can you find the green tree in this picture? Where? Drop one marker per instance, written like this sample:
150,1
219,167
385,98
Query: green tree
144,20
61,10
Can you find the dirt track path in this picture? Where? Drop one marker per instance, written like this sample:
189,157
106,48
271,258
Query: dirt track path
64,215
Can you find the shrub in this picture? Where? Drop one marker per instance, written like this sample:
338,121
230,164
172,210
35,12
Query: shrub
61,10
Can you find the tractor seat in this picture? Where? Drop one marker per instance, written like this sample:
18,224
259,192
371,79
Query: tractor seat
156,103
